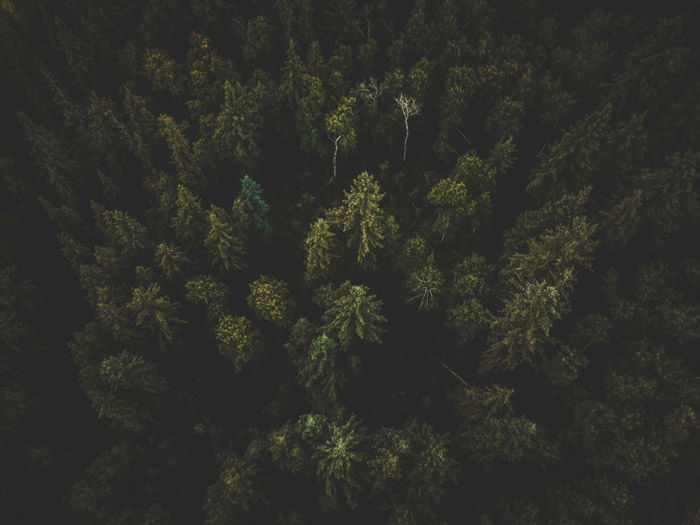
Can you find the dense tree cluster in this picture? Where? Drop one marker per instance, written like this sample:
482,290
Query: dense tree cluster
303,261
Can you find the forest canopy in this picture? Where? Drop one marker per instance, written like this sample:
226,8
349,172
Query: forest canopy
300,261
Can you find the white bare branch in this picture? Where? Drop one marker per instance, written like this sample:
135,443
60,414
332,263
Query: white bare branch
409,107
371,91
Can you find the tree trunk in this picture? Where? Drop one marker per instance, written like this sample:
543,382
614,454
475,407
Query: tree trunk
335,157
405,141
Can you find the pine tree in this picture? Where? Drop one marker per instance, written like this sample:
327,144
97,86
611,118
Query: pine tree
519,333
453,204
207,290
622,221
235,493
322,374
574,157
644,388
250,196
309,115
103,494
338,462
463,201
189,221
162,71
461,86
124,231
259,44
180,149
237,125
354,314
566,249
469,291
269,298
409,470
508,439
154,310
362,216
224,244
426,283
319,248
237,340
171,259
125,388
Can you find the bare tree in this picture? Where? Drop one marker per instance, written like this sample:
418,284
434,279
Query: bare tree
340,124
409,107
371,91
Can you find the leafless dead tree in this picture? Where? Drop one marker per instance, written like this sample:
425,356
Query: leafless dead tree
409,107
371,91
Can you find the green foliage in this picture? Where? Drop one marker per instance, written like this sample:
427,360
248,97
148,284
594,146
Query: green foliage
570,162
517,510
478,404
235,493
258,41
237,125
409,470
189,221
269,299
520,332
567,249
597,499
207,290
426,283
341,123
413,253
338,461
319,248
362,216
670,198
505,118
540,279
469,290
300,336
125,388
105,492
324,373
180,149
124,231
237,340
207,72
171,259
460,86
223,241
500,440
533,223
251,197
645,389
463,200
542,287
17,299
354,314
309,116
162,71
453,204
622,221
154,310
